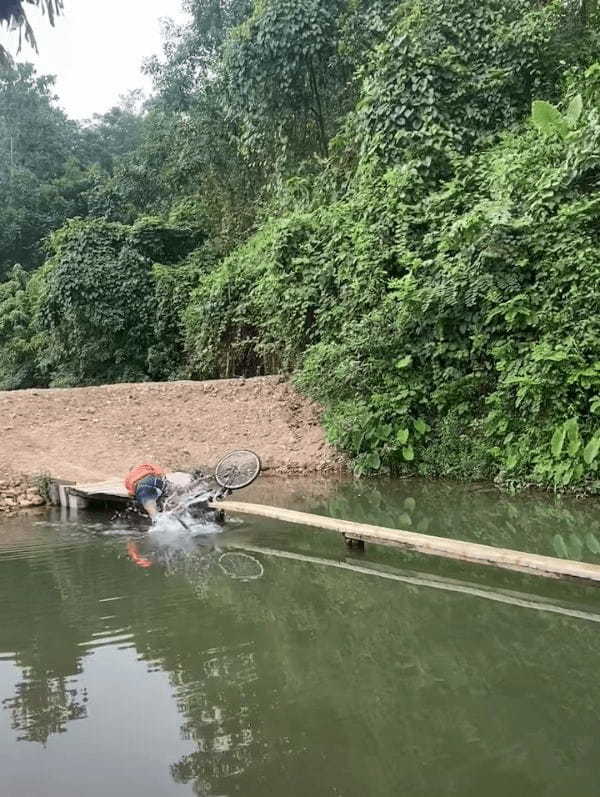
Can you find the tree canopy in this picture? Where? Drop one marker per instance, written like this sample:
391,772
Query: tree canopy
395,203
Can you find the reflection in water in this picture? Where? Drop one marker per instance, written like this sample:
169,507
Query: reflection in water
294,668
536,522
220,728
194,559
43,705
222,732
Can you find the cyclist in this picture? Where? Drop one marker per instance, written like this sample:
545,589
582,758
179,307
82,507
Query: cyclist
147,484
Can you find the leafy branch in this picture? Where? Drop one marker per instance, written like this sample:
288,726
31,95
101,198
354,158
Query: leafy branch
12,14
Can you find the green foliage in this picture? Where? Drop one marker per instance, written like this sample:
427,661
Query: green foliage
50,167
35,146
108,138
172,288
12,14
550,121
192,53
289,71
448,335
21,340
299,277
96,311
44,483
497,310
349,191
284,76
431,89
163,242
99,310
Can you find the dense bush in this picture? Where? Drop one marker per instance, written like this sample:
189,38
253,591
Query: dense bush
484,357
430,275
22,343
173,285
100,310
455,335
449,74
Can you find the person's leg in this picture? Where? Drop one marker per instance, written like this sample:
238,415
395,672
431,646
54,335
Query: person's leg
148,493
151,508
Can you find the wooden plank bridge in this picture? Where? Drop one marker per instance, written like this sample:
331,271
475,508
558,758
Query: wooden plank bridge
78,496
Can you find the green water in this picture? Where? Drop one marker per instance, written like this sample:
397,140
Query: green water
269,660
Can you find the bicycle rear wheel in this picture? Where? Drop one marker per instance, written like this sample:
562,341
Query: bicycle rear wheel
237,469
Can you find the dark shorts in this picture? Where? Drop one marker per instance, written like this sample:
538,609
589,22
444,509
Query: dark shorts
150,488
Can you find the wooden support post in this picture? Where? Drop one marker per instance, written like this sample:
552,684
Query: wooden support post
55,496
76,501
352,542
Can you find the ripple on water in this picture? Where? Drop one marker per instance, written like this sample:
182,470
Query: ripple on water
109,637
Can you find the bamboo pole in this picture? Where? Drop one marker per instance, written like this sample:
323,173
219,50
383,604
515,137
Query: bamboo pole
520,561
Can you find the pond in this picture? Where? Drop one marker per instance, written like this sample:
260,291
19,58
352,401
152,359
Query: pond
269,659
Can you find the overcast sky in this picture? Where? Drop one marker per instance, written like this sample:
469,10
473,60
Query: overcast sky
96,49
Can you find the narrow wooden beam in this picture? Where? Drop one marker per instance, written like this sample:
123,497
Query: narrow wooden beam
534,564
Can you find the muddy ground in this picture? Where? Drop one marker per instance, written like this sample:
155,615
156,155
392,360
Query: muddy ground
88,434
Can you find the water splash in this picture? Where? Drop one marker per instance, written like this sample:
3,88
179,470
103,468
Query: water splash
172,525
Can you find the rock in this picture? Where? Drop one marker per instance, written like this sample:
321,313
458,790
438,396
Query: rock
26,502
34,498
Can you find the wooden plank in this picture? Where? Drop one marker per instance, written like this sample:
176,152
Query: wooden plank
111,488
520,561
114,489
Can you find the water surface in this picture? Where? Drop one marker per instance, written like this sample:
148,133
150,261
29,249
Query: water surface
268,659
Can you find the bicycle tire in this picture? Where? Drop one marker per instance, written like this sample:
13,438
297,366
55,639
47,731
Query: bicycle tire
238,469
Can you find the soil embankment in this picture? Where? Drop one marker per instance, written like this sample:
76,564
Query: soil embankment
88,434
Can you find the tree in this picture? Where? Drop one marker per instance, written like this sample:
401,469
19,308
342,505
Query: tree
51,168
12,14
192,52
109,137
36,143
34,133
286,79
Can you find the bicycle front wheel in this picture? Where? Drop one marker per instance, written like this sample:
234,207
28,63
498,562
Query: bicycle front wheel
237,469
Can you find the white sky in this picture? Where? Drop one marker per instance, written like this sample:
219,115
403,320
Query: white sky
96,49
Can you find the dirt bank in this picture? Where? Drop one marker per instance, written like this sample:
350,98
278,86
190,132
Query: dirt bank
84,434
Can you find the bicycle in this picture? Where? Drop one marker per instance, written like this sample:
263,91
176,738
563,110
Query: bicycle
235,471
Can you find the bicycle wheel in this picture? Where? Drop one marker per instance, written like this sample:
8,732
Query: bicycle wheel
237,469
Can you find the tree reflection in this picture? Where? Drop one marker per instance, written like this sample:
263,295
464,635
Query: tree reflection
220,726
50,609
43,705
